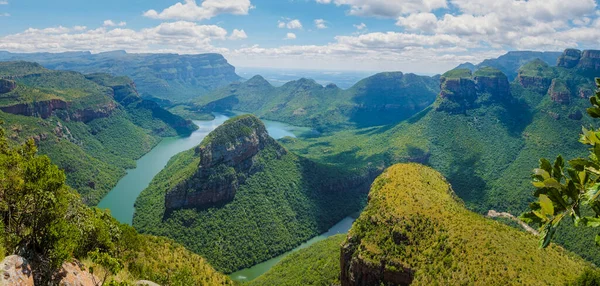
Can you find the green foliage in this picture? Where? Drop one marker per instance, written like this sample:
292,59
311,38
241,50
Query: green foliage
413,220
47,223
318,264
458,73
568,191
286,203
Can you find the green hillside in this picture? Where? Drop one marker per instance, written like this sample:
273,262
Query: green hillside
94,127
279,199
486,148
45,221
415,230
384,98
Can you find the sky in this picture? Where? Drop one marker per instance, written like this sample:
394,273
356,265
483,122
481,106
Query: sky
422,36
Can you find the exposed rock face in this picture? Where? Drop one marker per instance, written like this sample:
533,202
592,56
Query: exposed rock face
461,92
71,274
540,84
227,158
587,61
43,109
569,59
358,272
7,86
16,271
88,114
577,115
559,92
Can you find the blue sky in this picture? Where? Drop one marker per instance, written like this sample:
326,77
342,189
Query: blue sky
425,36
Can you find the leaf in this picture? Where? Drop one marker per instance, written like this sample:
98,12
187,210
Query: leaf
545,165
552,183
538,184
590,221
593,112
546,235
547,205
541,172
591,194
597,239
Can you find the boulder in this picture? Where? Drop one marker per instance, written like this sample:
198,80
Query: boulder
72,274
16,271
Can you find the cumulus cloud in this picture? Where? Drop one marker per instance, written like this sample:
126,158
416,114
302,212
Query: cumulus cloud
4,15
238,35
180,37
191,11
320,24
110,23
360,26
3,2
290,36
290,24
386,8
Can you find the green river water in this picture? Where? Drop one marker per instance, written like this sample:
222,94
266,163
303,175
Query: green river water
121,199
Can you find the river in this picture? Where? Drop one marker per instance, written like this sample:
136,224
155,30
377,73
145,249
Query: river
121,199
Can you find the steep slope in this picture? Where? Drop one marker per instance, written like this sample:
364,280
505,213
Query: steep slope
510,62
414,231
240,198
46,223
384,98
486,150
165,76
91,126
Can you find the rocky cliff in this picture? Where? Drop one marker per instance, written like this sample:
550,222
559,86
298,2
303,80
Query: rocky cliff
43,109
227,157
7,86
587,61
559,92
462,90
414,230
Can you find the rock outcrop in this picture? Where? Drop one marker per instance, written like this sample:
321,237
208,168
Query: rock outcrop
587,61
227,157
7,86
16,271
462,90
559,92
43,109
72,274
536,75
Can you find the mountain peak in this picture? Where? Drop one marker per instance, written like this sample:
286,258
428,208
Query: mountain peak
227,157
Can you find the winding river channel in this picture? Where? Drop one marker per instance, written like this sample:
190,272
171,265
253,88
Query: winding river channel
121,199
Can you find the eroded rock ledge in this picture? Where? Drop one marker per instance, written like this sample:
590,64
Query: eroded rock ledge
227,158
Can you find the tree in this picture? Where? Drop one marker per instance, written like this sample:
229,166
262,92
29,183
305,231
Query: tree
569,191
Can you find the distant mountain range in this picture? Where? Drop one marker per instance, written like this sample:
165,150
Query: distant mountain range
169,77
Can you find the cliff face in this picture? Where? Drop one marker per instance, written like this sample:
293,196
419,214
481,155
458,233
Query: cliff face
227,158
587,61
43,109
7,86
559,92
462,90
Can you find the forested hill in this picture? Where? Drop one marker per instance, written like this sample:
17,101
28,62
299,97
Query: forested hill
170,77
94,127
384,98
415,231
240,198
485,134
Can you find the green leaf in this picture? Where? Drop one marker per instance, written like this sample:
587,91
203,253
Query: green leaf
552,183
597,239
538,184
545,165
546,235
590,221
547,205
541,172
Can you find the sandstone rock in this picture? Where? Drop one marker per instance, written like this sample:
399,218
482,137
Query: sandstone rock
586,93
71,274
569,59
146,283
559,92
227,158
590,62
43,109
16,271
540,84
7,86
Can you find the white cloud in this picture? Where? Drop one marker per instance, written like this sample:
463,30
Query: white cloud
178,37
418,22
4,15
360,26
291,24
79,28
320,24
191,11
110,23
290,36
387,8
3,2
238,35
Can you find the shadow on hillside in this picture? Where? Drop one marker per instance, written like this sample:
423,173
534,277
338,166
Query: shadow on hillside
464,179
